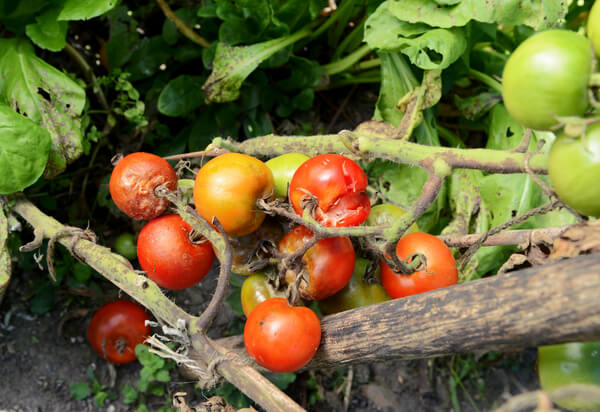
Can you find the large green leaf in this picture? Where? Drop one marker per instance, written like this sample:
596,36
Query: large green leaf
397,79
45,95
84,10
24,148
538,14
47,32
181,95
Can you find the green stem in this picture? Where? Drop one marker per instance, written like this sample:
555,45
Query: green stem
450,138
487,80
333,18
373,76
355,35
348,61
368,64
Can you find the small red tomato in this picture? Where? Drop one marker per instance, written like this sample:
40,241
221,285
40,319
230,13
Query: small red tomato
133,181
337,184
440,272
327,266
116,329
169,257
282,338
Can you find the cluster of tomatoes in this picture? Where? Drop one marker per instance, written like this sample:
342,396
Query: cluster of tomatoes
228,190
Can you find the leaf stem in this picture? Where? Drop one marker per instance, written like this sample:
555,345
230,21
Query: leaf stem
487,80
348,61
181,25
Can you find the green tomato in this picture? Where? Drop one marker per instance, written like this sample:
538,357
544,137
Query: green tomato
386,214
548,76
356,293
283,168
125,245
570,363
256,289
593,26
574,169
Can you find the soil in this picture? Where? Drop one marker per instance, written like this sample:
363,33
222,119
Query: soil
39,364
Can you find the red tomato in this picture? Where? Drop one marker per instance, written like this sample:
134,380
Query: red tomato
441,266
282,338
338,184
133,181
169,257
328,265
116,329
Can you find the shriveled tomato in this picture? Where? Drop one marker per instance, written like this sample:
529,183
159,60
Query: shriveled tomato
282,338
283,168
333,188
115,330
386,214
547,76
574,170
256,289
440,268
593,26
326,267
356,293
228,187
168,255
134,180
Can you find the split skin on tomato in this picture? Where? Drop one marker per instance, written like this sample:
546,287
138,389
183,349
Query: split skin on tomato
255,290
169,257
283,168
280,337
357,292
440,272
574,170
116,329
326,267
228,188
568,364
134,180
548,76
337,185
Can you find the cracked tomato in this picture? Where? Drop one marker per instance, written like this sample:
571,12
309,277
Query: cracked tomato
332,187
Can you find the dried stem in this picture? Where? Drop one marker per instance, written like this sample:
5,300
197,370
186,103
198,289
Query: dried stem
506,238
181,25
590,394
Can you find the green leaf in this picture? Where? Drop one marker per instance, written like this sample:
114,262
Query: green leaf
162,376
232,65
84,10
142,408
181,95
130,395
156,389
234,301
146,60
45,95
149,360
281,380
80,390
537,14
47,32
43,300
476,106
20,166
100,398
82,272
397,79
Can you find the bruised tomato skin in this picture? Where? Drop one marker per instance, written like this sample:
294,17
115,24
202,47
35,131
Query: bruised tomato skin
441,266
282,338
328,264
169,257
133,181
228,187
116,329
338,184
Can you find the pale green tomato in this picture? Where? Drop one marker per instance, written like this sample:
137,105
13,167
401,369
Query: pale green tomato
283,168
593,26
386,214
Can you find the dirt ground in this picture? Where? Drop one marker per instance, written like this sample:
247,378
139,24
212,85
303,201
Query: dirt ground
37,366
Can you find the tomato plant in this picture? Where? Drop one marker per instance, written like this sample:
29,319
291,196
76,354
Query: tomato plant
256,246
568,364
547,76
256,289
574,167
440,268
125,245
134,180
357,292
168,255
593,26
386,214
115,330
326,267
333,187
282,338
283,168
228,187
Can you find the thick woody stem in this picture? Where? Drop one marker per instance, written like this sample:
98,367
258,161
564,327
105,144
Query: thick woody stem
506,238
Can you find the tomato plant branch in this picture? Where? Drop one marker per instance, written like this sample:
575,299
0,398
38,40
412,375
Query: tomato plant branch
505,238
181,25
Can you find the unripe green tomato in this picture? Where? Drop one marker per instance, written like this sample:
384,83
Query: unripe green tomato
567,364
386,214
283,168
593,26
574,170
548,76
356,293
125,245
256,289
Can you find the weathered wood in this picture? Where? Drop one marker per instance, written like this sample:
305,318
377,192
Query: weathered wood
537,306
